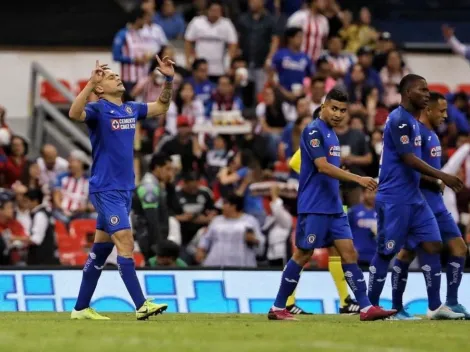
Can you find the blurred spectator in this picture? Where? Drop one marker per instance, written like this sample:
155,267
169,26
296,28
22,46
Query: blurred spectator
197,8
130,49
16,164
170,20
333,13
291,136
355,156
194,207
70,193
292,65
224,99
12,234
50,166
259,40
384,46
314,25
151,222
391,76
318,92
244,88
340,62
168,256
325,71
367,35
455,44
278,227
349,33
185,103
363,222
3,117
184,147
357,86
372,77
217,158
376,146
233,239
202,85
152,33
210,34
457,112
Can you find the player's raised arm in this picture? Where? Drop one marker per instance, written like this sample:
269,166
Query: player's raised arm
77,110
162,104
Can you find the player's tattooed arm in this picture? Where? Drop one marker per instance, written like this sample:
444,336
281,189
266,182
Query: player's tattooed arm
162,105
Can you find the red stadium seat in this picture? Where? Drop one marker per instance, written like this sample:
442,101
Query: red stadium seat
439,87
83,230
139,260
463,88
49,93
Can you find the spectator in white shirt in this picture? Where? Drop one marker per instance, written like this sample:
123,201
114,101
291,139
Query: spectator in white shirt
391,75
152,34
207,36
340,62
50,166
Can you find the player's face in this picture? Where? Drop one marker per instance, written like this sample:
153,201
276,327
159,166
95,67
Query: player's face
334,112
111,84
437,112
418,94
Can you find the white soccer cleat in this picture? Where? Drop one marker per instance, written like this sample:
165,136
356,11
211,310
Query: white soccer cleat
444,313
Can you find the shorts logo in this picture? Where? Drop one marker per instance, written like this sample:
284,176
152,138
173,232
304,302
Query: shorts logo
129,110
315,143
404,139
311,238
115,124
390,245
114,220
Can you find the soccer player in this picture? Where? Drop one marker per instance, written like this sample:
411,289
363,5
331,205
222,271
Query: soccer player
434,115
111,126
403,215
347,305
322,221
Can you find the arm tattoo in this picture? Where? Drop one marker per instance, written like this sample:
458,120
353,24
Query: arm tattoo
165,96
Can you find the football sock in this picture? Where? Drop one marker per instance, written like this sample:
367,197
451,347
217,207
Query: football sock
399,279
357,284
126,268
377,276
336,271
92,272
454,274
289,280
431,267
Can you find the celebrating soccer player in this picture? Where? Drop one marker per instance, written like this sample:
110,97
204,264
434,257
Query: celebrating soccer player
403,215
431,118
322,221
111,124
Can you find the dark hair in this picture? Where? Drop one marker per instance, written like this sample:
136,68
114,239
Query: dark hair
407,81
292,32
321,61
246,157
159,160
316,113
216,2
35,194
136,14
237,59
190,176
317,79
168,248
338,95
460,95
235,200
231,79
8,149
197,63
178,100
436,96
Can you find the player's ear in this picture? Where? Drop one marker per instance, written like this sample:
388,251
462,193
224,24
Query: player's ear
98,90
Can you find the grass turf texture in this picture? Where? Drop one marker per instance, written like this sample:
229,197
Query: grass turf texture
51,332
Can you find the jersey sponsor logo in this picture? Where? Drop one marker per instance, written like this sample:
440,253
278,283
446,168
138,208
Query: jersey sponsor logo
390,245
128,110
335,150
418,141
404,139
311,238
114,220
436,152
123,124
315,143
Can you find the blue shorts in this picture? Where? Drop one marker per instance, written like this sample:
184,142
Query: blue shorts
404,225
321,230
447,226
113,208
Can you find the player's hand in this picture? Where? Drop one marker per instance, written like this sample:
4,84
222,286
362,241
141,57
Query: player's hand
165,66
447,31
453,182
368,182
97,74
442,186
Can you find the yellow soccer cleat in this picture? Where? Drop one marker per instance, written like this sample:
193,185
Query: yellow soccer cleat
150,308
87,314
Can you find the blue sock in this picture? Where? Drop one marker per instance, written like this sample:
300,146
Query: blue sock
431,267
289,280
399,278
92,272
126,268
377,276
454,277
357,284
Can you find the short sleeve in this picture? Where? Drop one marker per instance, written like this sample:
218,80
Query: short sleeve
312,140
232,37
400,131
141,109
92,111
191,34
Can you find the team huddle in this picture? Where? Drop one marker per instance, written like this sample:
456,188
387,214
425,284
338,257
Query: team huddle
412,218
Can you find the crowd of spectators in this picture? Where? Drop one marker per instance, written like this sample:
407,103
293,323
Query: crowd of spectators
271,62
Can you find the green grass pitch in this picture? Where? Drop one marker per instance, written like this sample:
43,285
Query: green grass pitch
54,332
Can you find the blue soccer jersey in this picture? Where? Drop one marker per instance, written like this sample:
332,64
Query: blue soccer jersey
112,129
292,68
362,220
318,193
399,183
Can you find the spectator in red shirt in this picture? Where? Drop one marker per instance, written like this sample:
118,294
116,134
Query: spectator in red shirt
16,162
12,233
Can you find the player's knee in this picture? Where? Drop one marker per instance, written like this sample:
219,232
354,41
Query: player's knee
302,256
432,247
349,256
458,247
406,256
124,242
